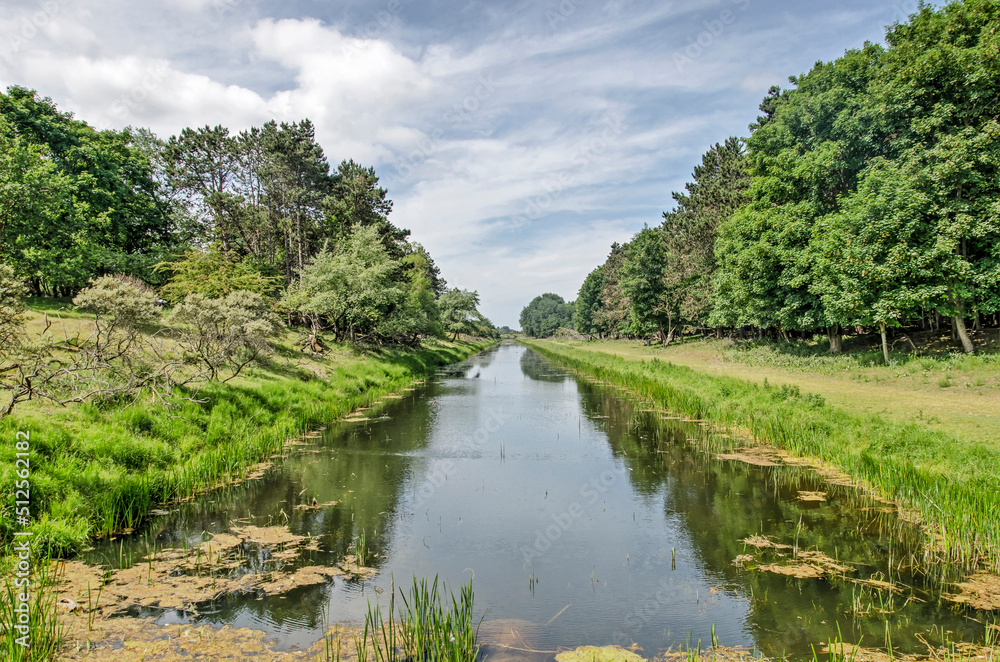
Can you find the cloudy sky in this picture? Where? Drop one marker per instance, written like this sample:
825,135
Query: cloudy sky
517,139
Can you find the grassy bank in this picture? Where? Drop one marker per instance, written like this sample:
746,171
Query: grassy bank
942,389
95,470
953,483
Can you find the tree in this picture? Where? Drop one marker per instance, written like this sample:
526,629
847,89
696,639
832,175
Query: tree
937,98
545,315
642,271
349,288
215,274
460,314
879,259
805,154
716,192
121,306
12,294
109,214
230,332
612,314
358,201
588,302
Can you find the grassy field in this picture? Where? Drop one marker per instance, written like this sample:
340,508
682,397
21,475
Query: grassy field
96,470
882,433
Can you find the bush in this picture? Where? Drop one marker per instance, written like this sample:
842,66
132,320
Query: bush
228,332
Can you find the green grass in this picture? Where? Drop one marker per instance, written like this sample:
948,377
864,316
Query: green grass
99,469
40,623
953,484
420,629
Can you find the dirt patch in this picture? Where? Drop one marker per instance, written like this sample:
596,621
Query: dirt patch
136,640
980,591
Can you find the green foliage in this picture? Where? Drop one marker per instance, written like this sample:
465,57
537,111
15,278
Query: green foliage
651,308
84,202
12,293
213,274
229,332
460,314
716,192
588,302
422,628
545,314
350,288
867,196
119,301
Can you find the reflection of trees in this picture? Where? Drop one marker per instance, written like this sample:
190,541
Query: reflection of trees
540,369
721,503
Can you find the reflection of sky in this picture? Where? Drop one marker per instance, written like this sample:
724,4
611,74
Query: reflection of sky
519,139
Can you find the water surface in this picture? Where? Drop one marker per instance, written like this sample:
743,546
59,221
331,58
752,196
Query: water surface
577,511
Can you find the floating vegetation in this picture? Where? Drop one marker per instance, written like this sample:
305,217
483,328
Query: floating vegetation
980,591
250,559
798,563
599,654
811,496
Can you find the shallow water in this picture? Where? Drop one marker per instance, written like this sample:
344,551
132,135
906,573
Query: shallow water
580,515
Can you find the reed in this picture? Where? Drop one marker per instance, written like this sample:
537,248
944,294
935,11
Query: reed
420,628
41,620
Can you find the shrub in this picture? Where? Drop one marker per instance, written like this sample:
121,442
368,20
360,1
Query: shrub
228,332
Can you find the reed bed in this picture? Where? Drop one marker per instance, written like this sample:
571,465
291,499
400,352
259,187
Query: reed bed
952,484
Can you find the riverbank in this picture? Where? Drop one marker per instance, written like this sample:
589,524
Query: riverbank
100,470
950,480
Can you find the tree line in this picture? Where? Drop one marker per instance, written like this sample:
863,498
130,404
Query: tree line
209,213
867,196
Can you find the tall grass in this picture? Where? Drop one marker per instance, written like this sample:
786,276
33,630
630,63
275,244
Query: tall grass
40,623
953,484
421,628
98,470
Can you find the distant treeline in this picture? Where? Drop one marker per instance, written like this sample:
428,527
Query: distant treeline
211,213
867,195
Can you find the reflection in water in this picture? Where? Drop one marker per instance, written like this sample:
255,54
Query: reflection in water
583,518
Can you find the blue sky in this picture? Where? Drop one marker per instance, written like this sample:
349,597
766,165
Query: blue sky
517,139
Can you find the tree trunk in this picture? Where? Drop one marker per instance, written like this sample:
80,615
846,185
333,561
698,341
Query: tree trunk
885,342
836,339
963,333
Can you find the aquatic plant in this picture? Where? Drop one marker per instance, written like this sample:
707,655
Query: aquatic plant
421,628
